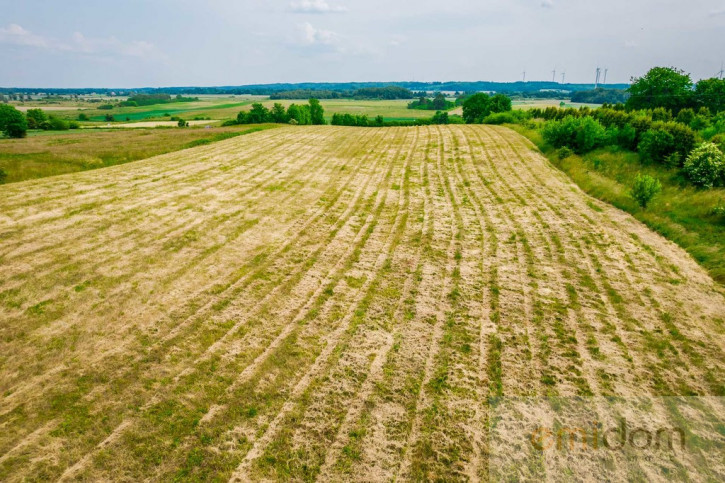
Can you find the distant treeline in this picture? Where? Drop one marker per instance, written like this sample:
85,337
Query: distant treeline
310,93
269,89
387,92
304,114
601,95
438,103
151,99
362,120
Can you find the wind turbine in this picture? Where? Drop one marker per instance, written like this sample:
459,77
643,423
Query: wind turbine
553,75
722,70
606,69
563,76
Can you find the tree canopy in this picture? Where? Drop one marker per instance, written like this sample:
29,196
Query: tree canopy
479,106
665,87
12,122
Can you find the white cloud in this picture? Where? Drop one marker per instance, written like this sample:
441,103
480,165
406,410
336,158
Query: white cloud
315,6
717,12
315,36
114,46
16,35
547,3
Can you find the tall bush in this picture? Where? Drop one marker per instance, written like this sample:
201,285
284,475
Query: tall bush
705,166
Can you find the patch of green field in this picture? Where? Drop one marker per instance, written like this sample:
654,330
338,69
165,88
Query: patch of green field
49,153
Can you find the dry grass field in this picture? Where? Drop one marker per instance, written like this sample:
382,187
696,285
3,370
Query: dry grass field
336,304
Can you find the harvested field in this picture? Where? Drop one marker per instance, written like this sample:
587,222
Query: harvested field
338,304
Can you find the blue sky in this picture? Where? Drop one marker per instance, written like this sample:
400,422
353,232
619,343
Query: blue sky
134,43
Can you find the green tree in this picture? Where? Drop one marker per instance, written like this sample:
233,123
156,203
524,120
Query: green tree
710,93
57,124
258,115
580,134
439,102
36,118
500,103
665,87
82,117
317,113
645,188
279,114
440,117
476,107
12,122
656,145
705,166
299,114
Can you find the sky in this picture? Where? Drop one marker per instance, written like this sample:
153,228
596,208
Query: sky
155,43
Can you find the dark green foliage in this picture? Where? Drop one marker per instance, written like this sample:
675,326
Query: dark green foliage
656,145
626,137
36,118
580,134
311,113
664,139
661,114
685,116
151,99
350,120
664,87
105,107
317,113
510,117
438,103
500,103
440,118
299,114
388,92
476,107
564,152
279,114
110,118
308,93
3,176
258,115
182,123
57,124
600,95
82,117
710,93
645,188
12,122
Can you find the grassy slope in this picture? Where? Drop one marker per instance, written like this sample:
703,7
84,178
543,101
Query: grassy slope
681,212
71,151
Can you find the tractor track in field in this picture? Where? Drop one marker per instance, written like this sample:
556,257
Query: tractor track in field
331,303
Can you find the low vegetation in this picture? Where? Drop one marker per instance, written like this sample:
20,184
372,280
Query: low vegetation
48,155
